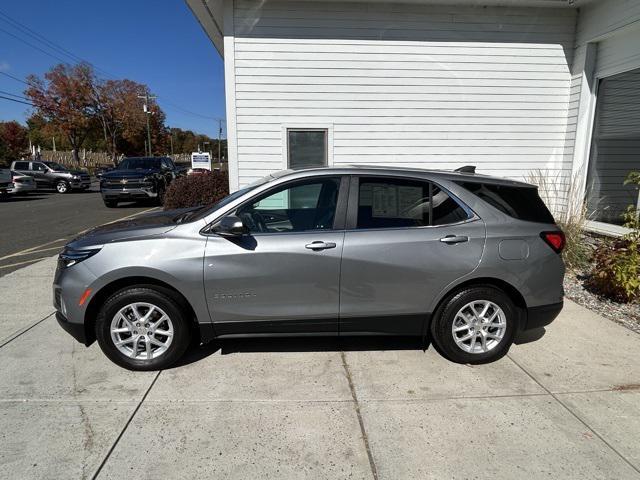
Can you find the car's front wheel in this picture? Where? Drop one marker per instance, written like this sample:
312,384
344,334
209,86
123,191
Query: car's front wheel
110,203
475,325
143,328
62,187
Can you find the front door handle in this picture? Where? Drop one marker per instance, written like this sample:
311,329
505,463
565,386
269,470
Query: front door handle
318,245
452,239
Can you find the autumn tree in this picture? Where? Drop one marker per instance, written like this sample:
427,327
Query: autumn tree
66,98
13,141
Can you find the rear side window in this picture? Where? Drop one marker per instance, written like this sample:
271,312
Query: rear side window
21,166
522,203
398,203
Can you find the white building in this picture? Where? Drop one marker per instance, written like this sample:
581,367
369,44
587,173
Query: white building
510,86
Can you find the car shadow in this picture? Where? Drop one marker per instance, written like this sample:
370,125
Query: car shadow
529,336
299,344
13,198
322,344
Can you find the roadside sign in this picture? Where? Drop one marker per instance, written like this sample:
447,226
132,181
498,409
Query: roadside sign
201,160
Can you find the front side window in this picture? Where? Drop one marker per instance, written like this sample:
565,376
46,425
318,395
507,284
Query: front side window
401,203
303,206
307,148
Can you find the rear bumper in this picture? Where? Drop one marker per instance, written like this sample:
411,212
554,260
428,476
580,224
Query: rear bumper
540,316
80,183
76,330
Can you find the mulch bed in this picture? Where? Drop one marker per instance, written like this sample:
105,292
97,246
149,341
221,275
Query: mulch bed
626,314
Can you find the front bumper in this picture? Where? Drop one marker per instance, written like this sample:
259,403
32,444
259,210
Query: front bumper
127,193
76,330
538,317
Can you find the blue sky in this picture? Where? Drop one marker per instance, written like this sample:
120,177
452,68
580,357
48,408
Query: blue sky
159,43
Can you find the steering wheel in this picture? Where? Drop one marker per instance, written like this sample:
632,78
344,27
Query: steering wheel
253,220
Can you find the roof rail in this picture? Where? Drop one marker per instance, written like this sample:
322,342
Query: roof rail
466,169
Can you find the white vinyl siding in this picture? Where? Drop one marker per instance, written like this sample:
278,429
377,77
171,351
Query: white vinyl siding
404,84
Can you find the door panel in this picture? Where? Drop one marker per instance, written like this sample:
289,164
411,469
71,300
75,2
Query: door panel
390,277
273,283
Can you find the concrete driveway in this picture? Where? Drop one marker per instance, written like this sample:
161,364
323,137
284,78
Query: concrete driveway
566,405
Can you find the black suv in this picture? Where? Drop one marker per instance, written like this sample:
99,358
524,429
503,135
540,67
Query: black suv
52,174
138,178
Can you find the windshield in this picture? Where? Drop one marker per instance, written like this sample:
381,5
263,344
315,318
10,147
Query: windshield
205,210
139,163
56,166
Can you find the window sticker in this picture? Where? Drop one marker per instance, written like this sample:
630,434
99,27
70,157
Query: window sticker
385,201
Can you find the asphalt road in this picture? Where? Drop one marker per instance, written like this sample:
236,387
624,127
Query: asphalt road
38,224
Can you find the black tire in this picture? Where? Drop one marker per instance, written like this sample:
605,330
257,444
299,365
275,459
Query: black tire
110,203
441,327
62,187
159,297
160,197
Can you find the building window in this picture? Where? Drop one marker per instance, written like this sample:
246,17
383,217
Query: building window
615,147
307,148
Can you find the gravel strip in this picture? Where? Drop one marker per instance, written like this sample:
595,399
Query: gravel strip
626,314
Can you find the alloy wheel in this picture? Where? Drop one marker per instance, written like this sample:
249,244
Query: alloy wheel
61,187
479,326
141,331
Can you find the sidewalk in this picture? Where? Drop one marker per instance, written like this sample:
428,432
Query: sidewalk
564,406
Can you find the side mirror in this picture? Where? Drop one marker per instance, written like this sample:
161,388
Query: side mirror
231,226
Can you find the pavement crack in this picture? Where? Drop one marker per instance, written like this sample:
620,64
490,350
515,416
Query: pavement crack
124,429
575,415
363,431
25,330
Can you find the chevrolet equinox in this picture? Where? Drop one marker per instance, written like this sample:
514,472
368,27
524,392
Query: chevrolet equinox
462,260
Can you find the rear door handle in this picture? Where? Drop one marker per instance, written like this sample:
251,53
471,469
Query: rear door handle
318,245
451,239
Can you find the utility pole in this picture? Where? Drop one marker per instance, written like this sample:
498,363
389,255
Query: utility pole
219,142
147,111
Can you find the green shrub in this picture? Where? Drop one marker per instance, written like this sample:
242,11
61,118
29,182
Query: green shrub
197,190
616,271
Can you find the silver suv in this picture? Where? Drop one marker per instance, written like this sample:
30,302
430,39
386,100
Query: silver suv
460,259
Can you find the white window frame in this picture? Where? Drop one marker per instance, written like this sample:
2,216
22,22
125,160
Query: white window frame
306,127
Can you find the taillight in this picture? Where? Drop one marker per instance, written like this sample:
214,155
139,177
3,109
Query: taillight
556,240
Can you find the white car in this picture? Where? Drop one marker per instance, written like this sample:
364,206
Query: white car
5,181
22,183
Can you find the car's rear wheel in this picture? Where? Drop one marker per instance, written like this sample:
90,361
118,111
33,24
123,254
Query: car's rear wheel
110,203
62,187
475,325
143,328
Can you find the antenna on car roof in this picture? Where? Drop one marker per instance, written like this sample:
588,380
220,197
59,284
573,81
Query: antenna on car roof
466,169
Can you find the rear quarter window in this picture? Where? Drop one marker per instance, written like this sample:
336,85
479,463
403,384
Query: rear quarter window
522,203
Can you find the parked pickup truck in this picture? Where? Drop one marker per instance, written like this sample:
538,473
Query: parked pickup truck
52,174
138,178
5,181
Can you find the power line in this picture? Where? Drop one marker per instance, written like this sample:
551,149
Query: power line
49,43
76,59
33,46
13,95
14,100
15,78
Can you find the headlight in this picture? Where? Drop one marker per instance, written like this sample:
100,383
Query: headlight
70,257
75,177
